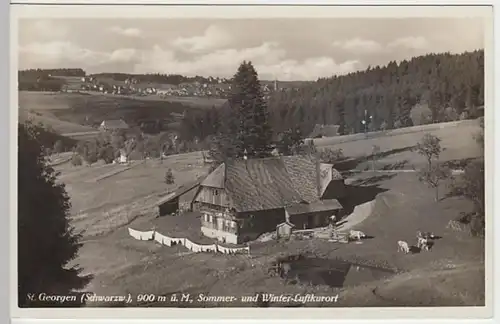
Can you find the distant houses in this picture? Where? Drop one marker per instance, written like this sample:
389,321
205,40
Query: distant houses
112,125
241,199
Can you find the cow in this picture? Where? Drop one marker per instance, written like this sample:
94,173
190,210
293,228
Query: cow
422,243
403,246
356,234
425,235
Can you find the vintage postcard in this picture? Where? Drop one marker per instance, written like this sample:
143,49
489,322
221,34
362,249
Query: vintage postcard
175,161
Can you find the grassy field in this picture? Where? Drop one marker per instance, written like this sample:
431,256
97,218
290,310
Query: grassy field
456,139
67,113
40,107
101,204
103,207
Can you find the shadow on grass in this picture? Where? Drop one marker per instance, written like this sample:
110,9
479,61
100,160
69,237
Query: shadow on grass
459,163
373,180
415,249
347,164
395,166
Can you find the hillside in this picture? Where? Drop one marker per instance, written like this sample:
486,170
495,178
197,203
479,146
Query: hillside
80,112
387,93
427,89
402,205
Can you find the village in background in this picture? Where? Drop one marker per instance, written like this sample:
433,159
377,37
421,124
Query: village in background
369,186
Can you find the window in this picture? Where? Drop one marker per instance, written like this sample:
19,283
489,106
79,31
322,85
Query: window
216,192
210,218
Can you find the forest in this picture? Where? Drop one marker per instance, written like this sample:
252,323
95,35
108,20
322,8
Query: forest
426,89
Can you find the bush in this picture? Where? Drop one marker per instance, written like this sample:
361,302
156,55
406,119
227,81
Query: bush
169,177
331,155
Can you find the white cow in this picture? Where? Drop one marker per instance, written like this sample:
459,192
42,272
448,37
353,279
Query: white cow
422,243
356,234
403,246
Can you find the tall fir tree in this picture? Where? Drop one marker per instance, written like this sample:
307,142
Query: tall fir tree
254,131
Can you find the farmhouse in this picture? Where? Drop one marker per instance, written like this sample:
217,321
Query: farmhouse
111,125
324,131
242,199
180,200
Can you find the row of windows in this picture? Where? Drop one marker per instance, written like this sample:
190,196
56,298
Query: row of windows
210,219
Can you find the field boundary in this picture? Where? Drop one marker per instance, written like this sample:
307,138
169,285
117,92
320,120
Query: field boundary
115,172
390,133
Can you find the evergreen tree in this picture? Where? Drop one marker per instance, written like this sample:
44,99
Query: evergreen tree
254,132
46,241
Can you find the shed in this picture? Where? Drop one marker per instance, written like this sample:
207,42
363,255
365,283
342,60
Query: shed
284,229
179,200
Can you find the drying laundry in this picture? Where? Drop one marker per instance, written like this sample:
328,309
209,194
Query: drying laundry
160,238
147,236
135,234
170,241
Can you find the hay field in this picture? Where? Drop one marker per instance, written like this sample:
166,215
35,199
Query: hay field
457,140
105,197
38,105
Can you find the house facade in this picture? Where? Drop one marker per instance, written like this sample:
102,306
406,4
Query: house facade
241,199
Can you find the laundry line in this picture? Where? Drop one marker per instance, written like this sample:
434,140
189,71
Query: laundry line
153,235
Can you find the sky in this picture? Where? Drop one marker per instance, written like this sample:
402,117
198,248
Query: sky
283,49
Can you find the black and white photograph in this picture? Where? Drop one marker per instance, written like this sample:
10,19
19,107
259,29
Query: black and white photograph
252,162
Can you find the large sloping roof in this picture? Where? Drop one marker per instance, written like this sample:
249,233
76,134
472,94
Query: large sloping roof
180,191
216,178
268,183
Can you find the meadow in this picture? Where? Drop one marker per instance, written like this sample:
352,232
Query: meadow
68,113
104,207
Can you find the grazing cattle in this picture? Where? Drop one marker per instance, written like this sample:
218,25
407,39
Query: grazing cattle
428,235
356,234
425,235
403,246
422,243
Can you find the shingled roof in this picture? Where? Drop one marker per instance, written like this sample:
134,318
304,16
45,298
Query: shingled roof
269,183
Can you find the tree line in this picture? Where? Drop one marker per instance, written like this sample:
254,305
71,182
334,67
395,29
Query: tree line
427,89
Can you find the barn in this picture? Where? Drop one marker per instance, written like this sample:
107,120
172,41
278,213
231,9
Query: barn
179,200
243,198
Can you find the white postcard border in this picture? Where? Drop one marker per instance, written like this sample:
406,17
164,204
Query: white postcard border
245,313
